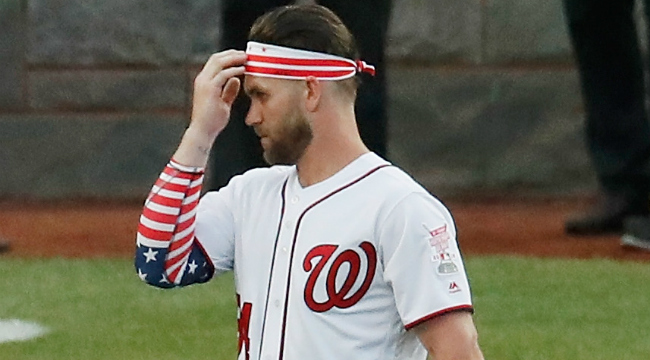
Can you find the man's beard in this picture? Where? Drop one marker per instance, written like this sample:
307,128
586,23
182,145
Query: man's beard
290,141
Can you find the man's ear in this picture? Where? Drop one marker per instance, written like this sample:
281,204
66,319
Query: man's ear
314,93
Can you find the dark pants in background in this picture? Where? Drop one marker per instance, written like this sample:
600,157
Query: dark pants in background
238,149
606,45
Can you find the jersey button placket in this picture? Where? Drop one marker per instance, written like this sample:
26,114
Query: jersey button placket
270,346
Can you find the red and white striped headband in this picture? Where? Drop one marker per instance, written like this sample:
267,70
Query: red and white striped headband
295,64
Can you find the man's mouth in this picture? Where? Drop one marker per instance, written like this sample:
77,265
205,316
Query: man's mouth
264,140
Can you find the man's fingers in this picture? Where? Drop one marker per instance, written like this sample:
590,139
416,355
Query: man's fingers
230,90
225,75
223,60
218,70
216,57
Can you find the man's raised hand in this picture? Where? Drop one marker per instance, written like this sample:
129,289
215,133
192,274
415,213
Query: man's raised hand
215,89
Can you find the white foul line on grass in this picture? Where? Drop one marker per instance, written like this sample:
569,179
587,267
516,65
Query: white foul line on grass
19,330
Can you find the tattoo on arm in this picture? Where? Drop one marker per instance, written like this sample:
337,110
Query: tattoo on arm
204,150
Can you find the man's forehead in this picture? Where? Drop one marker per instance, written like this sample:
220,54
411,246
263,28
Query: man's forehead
253,82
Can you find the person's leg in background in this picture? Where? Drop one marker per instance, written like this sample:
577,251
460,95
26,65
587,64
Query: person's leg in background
238,148
637,228
368,21
5,245
605,43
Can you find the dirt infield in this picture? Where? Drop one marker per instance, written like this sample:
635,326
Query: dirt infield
533,227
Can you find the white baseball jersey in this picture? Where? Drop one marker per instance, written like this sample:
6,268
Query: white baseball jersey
338,270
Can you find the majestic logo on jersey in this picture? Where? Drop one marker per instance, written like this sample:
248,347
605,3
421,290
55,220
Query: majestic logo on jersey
453,287
439,239
338,297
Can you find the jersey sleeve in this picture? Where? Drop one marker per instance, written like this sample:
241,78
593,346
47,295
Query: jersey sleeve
168,252
215,228
422,261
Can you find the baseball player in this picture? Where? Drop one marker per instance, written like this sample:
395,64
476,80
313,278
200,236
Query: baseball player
337,254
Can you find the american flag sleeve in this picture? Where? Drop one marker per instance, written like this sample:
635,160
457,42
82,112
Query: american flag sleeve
168,254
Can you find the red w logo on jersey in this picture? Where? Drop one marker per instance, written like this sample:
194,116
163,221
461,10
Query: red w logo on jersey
243,324
338,297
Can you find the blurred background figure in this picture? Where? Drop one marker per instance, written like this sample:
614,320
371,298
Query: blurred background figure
5,245
606,46
238,148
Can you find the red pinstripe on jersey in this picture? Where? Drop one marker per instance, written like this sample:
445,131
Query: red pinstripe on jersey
168,217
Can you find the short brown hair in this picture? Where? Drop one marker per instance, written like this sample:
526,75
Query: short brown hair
307,27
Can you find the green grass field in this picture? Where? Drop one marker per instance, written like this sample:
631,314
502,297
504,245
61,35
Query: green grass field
525,309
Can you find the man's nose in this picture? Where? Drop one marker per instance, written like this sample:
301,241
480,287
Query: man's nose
253,116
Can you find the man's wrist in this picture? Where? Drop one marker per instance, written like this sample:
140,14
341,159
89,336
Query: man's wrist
194,149
186,169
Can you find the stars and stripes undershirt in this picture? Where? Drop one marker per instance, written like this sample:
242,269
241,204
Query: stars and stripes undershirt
168,254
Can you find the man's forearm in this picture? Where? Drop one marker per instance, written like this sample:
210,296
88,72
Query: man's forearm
450,336
167,253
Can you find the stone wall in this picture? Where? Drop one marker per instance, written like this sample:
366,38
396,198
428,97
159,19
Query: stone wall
483,95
